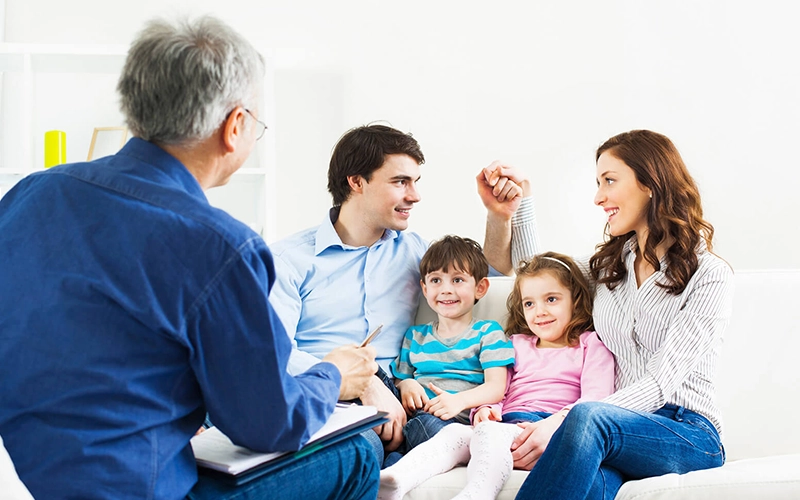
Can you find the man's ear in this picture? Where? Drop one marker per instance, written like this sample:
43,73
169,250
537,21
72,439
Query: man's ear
481,288
356,183
232,129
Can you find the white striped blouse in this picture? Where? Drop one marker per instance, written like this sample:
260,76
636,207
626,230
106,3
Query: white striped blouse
666,346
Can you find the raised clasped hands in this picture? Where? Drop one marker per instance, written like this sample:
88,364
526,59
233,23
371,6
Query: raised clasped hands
501,188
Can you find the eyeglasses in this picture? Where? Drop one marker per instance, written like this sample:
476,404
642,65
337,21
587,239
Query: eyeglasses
260,123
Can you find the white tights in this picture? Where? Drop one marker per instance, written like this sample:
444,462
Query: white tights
489,445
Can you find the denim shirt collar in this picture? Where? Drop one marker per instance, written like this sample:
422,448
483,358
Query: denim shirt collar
170,168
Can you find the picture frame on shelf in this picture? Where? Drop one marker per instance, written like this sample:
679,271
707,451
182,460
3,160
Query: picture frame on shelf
106,141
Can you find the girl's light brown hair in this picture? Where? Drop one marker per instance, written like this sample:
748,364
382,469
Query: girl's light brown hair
674,213
567,272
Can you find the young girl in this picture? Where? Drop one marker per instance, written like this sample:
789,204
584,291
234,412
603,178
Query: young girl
559,361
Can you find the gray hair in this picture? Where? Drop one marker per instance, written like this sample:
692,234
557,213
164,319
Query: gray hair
181,81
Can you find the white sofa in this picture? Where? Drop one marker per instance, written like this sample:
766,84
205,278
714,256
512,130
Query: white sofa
759,385
11,488
758,388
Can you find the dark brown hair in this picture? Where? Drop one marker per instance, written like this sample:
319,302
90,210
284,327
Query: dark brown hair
674,212
459,253
362,151
572,279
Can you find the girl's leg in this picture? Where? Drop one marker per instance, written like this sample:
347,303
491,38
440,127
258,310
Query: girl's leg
445,450
491,461
627,444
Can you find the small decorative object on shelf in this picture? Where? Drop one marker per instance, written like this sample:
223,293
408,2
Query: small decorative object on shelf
55,148
107,141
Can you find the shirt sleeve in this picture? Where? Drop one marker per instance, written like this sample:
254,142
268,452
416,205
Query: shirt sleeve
239,352
496,348
597,375
401,367
288,305
690,336
524,234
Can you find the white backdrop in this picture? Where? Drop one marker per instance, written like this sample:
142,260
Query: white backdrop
540,86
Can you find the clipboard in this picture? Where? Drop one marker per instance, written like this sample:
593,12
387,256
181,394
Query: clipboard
274,461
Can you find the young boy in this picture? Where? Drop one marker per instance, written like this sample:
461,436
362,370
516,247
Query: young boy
456,363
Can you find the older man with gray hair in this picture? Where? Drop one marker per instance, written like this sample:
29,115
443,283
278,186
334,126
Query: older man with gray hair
129,307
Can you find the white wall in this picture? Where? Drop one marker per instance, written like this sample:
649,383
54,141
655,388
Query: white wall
540,86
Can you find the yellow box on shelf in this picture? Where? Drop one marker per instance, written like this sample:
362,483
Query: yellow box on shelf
55,148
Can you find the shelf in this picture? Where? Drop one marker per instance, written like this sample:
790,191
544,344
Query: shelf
49,58
72,87
7,174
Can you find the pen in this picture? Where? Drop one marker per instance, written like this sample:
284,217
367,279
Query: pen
371,336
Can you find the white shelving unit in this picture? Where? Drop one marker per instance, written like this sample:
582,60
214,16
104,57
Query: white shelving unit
73,88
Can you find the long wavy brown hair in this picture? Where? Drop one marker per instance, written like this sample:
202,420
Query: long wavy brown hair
572,279
674,212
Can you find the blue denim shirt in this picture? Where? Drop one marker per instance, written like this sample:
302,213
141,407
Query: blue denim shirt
128,308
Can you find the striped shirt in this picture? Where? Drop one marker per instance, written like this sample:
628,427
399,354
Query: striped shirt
453,364
666,346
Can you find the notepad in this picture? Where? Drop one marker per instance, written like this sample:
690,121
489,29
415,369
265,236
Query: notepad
216,455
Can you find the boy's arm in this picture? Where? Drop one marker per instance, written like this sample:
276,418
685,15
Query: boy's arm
446,405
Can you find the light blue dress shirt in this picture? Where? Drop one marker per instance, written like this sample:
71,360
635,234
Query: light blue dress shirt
329,294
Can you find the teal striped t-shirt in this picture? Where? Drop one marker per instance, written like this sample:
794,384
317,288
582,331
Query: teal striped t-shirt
453,364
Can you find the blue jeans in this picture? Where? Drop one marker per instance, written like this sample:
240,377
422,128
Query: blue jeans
515,417
599,446
346,470
419,428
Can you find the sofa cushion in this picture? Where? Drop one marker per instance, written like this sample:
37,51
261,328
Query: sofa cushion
11,488
757,380
775,478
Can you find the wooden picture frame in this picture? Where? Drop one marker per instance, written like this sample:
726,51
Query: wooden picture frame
106,141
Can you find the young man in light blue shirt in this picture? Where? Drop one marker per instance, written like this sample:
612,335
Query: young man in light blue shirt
360,268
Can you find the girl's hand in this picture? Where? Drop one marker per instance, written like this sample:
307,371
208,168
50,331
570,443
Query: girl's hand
445,405
531,443
412,395
486,413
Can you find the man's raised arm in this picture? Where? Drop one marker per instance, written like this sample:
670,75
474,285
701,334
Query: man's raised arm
510,222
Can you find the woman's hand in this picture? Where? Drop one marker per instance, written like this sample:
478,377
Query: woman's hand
531,443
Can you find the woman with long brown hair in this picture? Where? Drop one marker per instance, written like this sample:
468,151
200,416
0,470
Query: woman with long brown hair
662,301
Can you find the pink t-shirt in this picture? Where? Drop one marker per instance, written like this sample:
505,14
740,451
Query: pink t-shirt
551,379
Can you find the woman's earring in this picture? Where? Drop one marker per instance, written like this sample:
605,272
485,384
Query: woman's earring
651,195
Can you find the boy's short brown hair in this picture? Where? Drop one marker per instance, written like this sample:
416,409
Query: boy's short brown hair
460,253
